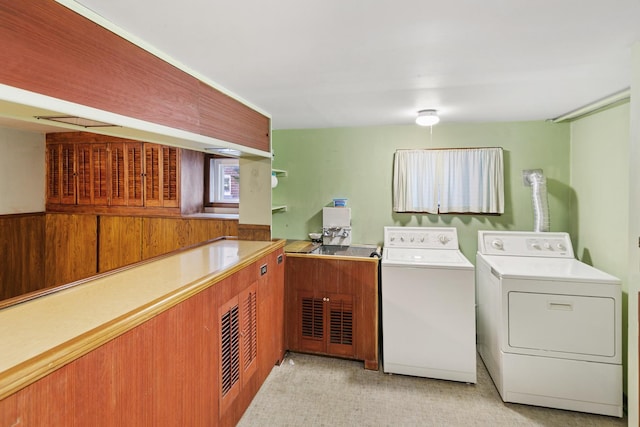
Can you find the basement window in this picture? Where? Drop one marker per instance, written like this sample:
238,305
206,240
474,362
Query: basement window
463,180
222,181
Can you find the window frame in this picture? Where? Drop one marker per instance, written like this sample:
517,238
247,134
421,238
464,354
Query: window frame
212,163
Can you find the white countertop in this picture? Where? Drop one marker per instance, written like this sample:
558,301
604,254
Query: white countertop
35,327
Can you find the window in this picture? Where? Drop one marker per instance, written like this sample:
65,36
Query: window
465,180
222,181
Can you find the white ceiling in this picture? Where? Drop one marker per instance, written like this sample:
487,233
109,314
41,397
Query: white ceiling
335,63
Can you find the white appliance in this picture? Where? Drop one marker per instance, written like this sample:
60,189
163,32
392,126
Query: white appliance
428,305
549,326
336,226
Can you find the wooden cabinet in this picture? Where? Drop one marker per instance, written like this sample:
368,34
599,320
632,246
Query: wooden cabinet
251,331
238,348
271,312
332,306
87,169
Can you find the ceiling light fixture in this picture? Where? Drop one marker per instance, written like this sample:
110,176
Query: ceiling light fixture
427,117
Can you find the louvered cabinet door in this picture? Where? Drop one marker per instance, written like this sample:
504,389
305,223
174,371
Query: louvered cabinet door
249,327
68,174
99,174
229,316
125,174
161,176
340,320
311,321
152,175
54,182
134,162
238,344
91,174
170,177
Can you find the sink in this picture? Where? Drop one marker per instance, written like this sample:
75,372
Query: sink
360,251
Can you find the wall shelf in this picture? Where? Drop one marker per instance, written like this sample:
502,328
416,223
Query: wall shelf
280,172
279,208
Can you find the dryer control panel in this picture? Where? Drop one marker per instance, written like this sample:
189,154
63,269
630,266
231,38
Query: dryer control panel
523,243
421,237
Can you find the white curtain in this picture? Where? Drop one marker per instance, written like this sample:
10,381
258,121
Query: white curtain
415,181
468,180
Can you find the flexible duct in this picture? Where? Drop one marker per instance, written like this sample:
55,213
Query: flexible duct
539,201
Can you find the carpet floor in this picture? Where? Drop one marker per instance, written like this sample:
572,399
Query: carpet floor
307,390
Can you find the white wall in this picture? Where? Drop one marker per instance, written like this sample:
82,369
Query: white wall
255,191
22,171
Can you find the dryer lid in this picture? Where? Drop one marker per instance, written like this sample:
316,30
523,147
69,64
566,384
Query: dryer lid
561,269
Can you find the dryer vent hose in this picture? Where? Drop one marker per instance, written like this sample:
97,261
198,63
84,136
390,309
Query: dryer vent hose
539,201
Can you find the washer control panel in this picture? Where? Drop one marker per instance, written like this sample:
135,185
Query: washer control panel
421,237
523,243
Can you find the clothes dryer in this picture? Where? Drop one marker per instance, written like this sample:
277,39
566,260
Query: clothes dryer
549,326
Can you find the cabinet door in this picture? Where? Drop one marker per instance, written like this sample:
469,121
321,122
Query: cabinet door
92,180
162,176
238,344
340,324
134,170
152,175
170,177
126,174
311,321
54,162
229,318
67,174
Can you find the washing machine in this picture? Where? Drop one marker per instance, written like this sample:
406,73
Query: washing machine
549,326
428,299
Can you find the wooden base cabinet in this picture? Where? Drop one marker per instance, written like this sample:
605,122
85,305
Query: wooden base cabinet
332,306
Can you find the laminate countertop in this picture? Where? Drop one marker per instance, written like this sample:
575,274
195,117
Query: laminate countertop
38,336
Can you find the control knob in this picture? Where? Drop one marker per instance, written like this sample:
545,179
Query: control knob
497,244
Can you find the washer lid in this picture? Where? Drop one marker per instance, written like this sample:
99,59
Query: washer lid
562,269
425,257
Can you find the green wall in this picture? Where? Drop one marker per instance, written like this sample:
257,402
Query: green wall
357,163
600,204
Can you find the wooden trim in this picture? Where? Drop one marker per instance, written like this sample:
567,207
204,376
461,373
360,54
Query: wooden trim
22,215
38,367
254,232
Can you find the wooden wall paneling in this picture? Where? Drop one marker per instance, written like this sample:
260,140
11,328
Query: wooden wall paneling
254,232
191,181
54,51
224,118
22,242
120,241
70,248
70,57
